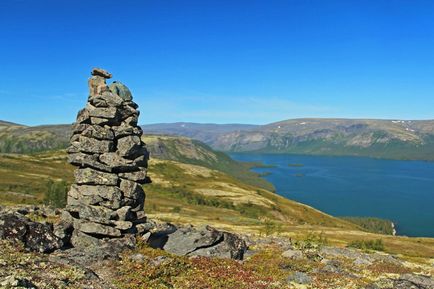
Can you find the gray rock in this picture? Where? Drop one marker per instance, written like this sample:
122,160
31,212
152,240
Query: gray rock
145,237
132,120
293,254
332,266
413,281
128,111
98,132
231,246
78,128
123,225
139,176
88,161
91,145
101,72
113,159
362,262
205,241
300,278
138,258
145,227
63,230
88,176
131,189
120,89
98,229
35,236
125,130
88,200
97,213
106,99
102,112
97,85
83,116
125,214
130,146
186,240
82,240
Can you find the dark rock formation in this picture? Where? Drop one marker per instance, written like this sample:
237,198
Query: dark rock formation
106,147
35,236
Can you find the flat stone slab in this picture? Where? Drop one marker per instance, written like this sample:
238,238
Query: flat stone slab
101,72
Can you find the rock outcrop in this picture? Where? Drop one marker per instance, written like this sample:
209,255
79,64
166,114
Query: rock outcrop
202,241
34,236
107,199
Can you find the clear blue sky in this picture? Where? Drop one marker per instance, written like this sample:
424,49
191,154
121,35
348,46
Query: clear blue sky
220,61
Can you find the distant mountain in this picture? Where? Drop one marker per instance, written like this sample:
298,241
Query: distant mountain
7,123
16,138
205,132
393,139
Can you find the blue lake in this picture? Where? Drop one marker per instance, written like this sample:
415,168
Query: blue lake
401,191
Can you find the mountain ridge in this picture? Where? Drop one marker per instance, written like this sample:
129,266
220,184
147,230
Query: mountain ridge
390,139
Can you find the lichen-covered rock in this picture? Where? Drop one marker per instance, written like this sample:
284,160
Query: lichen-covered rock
120,89
98,229
413,281
35,236
90,176
205,241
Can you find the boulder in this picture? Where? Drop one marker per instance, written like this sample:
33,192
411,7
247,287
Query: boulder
413,281
120,89
35,236
187,240
204,241
231,246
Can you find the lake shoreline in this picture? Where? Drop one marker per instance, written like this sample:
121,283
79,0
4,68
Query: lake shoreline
387,189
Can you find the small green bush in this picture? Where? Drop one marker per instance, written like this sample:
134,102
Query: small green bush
56,193
368,244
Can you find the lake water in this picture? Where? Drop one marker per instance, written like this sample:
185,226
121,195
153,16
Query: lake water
401,191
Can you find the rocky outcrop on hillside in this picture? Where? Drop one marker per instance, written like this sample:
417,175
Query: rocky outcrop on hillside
272,262
107,199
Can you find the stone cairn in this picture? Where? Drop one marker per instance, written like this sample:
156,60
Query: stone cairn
107,199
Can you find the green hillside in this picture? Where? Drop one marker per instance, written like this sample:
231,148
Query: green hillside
184,193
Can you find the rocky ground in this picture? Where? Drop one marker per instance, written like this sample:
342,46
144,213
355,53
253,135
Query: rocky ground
35,253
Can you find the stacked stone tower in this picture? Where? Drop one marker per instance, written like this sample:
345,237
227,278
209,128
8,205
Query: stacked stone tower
107,199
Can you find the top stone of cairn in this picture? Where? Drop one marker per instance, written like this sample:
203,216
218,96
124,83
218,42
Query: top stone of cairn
101,72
